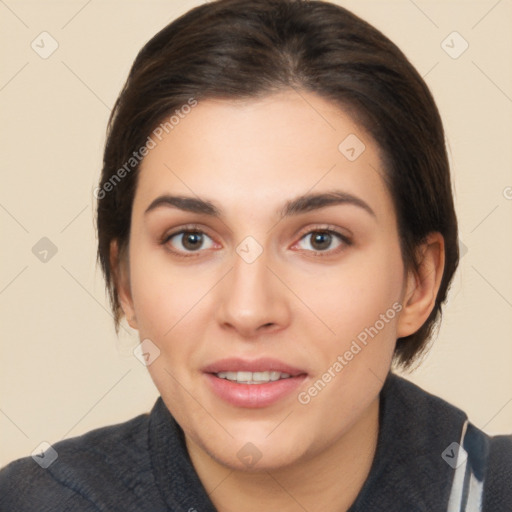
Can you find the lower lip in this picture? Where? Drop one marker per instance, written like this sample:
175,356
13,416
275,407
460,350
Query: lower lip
253,395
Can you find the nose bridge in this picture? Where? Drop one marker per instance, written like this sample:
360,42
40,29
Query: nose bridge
250,272
252,296
250,283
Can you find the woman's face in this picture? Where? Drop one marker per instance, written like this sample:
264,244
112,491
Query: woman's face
290,264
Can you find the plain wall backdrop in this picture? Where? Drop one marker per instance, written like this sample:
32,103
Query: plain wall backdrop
63,370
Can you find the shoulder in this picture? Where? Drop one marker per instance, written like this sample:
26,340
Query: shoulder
477,466
482,467
498,481
67,475
501,454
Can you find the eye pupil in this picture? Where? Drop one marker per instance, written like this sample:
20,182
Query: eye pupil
192,241
321,240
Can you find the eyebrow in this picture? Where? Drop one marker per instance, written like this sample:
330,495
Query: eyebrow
301,204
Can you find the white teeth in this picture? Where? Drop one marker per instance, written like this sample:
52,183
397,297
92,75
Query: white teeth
253,377
243,376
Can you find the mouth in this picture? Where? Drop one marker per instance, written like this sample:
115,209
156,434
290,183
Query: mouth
253,384
242,377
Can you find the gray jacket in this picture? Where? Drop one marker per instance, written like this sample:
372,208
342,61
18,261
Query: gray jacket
429,458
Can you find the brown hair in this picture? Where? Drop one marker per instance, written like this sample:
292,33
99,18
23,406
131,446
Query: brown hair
241,49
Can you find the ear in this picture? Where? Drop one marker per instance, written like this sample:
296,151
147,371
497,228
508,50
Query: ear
121,275
422,285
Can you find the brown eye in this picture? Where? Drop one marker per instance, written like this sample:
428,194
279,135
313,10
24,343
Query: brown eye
322,241
192,241
189,241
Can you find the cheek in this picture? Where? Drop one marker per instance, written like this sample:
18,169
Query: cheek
168,311
159,292
173,303
352,297
360,305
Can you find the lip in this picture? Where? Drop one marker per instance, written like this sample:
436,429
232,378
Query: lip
253,396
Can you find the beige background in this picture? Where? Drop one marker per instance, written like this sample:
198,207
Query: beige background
63,371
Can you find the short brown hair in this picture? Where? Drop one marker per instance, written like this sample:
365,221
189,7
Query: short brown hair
241,49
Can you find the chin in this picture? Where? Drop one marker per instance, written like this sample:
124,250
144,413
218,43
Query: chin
257,450
250,459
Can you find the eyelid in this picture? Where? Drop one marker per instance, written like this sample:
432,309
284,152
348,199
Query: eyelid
187,227
330,228
194,228
345,239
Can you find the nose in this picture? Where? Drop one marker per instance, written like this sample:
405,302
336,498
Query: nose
252,299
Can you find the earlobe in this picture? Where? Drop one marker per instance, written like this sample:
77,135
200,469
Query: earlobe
120,273
422,285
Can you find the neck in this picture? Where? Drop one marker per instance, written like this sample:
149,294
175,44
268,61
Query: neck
332,476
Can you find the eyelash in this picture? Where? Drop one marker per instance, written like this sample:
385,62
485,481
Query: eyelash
346,241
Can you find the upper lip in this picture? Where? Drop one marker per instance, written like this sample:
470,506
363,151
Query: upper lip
263,364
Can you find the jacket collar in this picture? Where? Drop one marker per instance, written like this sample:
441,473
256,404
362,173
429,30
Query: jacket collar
408,470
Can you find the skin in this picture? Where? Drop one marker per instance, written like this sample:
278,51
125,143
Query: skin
294,302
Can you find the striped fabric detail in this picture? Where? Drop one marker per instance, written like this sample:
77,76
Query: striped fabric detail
471,461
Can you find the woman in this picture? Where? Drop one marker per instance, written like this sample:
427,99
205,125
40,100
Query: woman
275,218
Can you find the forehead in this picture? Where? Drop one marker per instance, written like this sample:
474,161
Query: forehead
258,152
